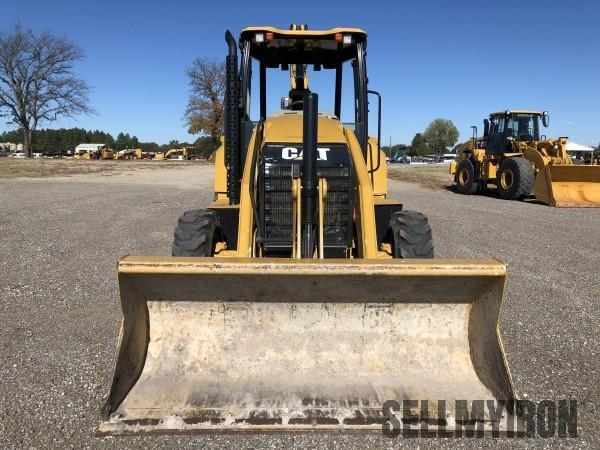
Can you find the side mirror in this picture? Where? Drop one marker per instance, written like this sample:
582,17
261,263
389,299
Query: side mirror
545,119
286,103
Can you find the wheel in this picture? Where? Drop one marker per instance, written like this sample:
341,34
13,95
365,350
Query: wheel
465,177
197,233
409,234
515,178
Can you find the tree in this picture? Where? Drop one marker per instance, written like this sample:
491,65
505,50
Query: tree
123,141
37,83
204,146
418,146
204,112
396,148
439,135
148,146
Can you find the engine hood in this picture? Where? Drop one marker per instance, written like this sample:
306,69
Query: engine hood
286,126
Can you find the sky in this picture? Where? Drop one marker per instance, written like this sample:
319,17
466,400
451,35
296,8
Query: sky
458,60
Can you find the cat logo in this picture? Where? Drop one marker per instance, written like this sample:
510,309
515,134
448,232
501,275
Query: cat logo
296,153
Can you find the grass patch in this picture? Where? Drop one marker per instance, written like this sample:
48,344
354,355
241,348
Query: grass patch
41,168
430,176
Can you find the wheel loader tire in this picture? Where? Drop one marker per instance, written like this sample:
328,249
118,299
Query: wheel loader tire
515,178
409,234
465,178
196,234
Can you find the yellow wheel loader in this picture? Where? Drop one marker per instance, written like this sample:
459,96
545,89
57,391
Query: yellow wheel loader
512,155
303,298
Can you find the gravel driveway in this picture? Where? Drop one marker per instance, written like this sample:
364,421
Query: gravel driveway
59,310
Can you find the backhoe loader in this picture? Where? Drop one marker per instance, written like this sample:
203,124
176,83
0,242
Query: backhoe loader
303,298
512,155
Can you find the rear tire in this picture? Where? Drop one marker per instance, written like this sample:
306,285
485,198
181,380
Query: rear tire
515,178
465,178
409,234
197,233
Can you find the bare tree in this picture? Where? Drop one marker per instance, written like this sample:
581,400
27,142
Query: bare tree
204,112
37,83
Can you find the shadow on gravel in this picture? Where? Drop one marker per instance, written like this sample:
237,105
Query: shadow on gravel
491,193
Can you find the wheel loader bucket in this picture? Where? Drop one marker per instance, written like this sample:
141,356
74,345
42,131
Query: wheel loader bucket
574,186
215,344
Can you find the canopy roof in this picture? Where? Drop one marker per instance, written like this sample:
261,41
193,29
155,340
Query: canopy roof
328,48
575,147
516,111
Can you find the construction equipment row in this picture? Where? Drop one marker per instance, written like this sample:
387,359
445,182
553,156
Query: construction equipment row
183,153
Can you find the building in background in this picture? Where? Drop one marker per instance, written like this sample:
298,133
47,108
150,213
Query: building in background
11,147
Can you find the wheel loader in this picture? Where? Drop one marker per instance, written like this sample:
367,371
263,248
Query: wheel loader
514,156
303,297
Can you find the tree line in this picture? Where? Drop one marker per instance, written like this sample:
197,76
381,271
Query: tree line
436,139
38,86
51,141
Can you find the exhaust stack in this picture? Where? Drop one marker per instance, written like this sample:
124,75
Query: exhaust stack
309,173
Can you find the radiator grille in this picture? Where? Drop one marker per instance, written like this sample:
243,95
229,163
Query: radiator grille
276,207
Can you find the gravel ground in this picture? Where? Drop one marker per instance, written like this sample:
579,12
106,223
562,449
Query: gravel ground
60,314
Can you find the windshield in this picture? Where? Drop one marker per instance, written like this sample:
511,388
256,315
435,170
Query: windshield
523,127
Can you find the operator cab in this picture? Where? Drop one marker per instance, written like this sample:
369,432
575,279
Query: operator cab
280,163
503,128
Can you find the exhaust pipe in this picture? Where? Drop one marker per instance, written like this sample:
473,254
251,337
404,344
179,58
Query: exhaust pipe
232,121
309,172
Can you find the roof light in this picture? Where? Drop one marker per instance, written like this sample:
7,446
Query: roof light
347,39
269,36
507,112
338,37
260,37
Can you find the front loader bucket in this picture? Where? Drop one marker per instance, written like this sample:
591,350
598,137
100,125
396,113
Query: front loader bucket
574,186
215,344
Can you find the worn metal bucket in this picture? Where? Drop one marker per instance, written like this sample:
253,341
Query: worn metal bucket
214,344
575,186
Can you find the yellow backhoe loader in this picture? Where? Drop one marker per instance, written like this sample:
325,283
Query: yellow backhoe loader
303,298
512,155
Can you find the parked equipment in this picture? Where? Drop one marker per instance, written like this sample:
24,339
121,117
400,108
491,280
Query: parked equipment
87,154
293,301
175,153
107,154
129,153
513,156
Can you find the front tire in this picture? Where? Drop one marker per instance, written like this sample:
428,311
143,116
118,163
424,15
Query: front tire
465,178
196,234
515,178
409,235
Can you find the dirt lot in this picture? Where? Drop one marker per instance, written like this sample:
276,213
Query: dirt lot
432,176
59,308
41,168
